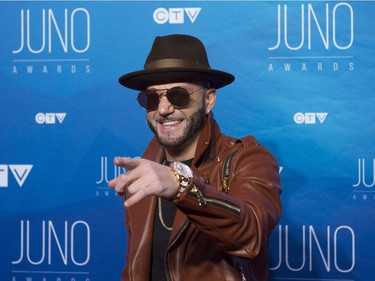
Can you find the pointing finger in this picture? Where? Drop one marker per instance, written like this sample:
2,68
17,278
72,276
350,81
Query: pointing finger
126,162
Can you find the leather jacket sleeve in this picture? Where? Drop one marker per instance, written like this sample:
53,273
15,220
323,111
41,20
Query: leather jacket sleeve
241,220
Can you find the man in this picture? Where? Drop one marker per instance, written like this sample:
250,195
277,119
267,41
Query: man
187,218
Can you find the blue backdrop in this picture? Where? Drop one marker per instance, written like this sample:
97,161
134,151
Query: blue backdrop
304,87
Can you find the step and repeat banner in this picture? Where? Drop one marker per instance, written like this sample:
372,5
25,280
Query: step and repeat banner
305,88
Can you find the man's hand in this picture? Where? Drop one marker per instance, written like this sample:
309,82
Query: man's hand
144,178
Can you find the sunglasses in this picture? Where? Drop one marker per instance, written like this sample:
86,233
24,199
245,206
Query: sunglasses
179,97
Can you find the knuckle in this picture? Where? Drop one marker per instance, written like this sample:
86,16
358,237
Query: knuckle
144,192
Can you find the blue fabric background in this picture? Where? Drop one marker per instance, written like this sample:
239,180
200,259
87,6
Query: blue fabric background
58,219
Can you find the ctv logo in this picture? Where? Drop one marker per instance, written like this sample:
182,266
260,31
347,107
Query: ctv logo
20,173
49,118
310,117
175,15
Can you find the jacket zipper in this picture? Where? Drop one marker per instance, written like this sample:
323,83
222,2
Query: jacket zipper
224,204
203,200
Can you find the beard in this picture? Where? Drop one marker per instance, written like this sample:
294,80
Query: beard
193,126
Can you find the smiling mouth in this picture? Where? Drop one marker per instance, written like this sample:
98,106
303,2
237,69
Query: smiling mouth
169,126
170,122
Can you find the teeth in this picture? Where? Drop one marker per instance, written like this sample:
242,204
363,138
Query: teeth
170,123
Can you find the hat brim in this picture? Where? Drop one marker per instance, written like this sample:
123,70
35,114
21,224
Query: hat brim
140,80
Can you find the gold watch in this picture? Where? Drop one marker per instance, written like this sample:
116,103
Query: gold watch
184,176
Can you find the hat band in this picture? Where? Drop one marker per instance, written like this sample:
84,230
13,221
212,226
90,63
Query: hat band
165,63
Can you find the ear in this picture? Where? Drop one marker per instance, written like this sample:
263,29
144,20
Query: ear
210,99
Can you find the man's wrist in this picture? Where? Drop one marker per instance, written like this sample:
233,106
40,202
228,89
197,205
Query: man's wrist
184,177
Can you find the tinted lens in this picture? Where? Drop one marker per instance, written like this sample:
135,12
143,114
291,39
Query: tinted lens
178,97
148,99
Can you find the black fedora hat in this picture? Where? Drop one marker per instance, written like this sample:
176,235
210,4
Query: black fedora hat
176,58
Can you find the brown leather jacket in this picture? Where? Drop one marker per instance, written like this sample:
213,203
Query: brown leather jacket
235,223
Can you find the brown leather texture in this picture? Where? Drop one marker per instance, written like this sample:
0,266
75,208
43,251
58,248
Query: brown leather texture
205,237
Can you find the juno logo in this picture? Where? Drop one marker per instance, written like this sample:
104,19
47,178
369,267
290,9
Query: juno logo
337,17
38,28
366,177
20,173
175,15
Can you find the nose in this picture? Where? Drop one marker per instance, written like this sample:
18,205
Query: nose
165,107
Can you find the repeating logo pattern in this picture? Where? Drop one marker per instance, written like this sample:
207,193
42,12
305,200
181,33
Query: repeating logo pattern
308,66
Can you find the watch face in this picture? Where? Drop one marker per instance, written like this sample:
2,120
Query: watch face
183,169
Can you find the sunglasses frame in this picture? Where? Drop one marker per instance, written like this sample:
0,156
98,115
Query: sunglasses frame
169,93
